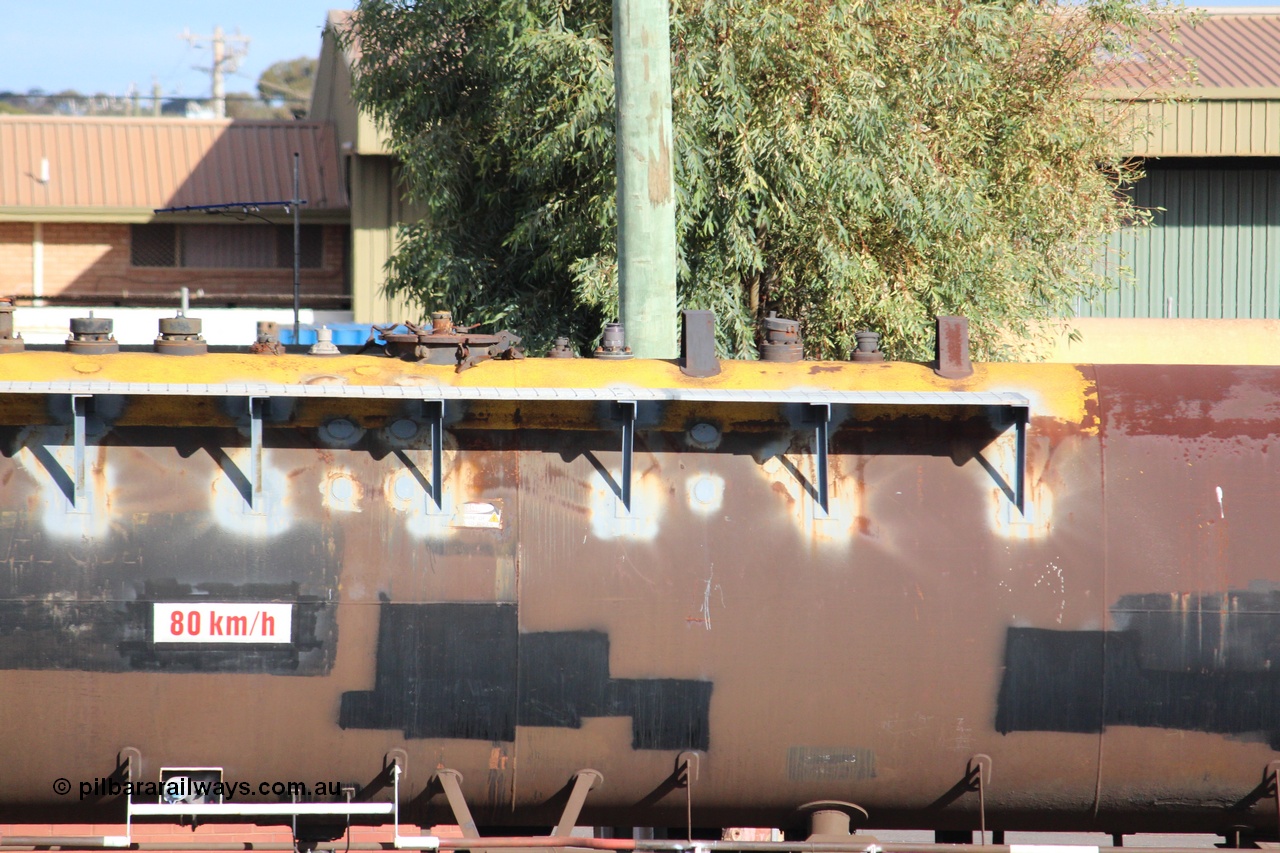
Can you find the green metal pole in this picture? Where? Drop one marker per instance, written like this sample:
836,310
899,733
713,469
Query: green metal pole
646,190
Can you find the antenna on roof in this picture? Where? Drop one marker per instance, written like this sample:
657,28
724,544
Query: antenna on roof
250,208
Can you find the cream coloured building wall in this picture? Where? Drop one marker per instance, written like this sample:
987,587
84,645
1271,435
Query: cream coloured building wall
1105,340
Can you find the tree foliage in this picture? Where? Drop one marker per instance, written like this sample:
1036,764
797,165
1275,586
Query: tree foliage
850,163
286,85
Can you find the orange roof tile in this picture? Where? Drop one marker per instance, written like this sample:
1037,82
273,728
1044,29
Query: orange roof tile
143,163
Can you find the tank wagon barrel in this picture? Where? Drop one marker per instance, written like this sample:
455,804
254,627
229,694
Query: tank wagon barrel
1033,596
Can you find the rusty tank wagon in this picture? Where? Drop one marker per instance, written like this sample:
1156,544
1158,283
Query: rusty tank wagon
639,592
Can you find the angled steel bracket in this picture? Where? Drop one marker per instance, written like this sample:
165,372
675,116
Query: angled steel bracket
257,406
433,412
1272,774
80,404
977,774
822,423
627,414
1020,416
583,782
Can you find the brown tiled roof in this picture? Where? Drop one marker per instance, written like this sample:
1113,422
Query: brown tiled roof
1229,49
147,163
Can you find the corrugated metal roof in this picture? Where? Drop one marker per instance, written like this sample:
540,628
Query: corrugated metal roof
1230,49
147,163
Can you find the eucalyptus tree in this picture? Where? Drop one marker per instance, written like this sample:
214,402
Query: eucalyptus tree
851,163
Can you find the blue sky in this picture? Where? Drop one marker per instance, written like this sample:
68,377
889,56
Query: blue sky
105,46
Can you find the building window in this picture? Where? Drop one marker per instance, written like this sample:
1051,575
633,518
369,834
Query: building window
153,246
225,246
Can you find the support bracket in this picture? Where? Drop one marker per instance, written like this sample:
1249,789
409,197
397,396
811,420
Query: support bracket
626,412
1020,460
433,412
978,775
80,405
1272,775
583,782
821,413
257,407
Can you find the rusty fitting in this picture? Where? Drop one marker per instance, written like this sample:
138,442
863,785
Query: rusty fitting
9,342
268,339
92,336
324,343
781,339
868,349
180,336
561,349
441,323
951,360
614,343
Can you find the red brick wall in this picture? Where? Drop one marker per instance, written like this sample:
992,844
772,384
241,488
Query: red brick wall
15,258
91,261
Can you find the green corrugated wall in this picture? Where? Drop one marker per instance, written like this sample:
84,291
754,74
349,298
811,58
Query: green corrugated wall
1213,250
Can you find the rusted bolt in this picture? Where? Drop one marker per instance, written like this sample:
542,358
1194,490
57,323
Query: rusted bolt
9,342
441,323
781,339
614,343
180,336
92,336
268,339
561,349
868,349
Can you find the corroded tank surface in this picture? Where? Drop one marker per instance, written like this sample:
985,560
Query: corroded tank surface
829,581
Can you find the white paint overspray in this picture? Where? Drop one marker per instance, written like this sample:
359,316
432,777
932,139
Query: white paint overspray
611,520
46,447
797,476
462,502
232,511
408,496
340,491
1035,520
706,493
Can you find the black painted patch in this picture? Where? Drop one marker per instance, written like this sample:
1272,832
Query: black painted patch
465,671
113,636
78,604
1201,663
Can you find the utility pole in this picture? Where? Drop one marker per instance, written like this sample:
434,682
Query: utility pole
226,58
646,187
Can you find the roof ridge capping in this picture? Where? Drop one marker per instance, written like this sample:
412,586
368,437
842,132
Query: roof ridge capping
1228,53
1236,10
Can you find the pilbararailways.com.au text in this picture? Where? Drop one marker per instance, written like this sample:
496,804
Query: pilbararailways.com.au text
183,789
